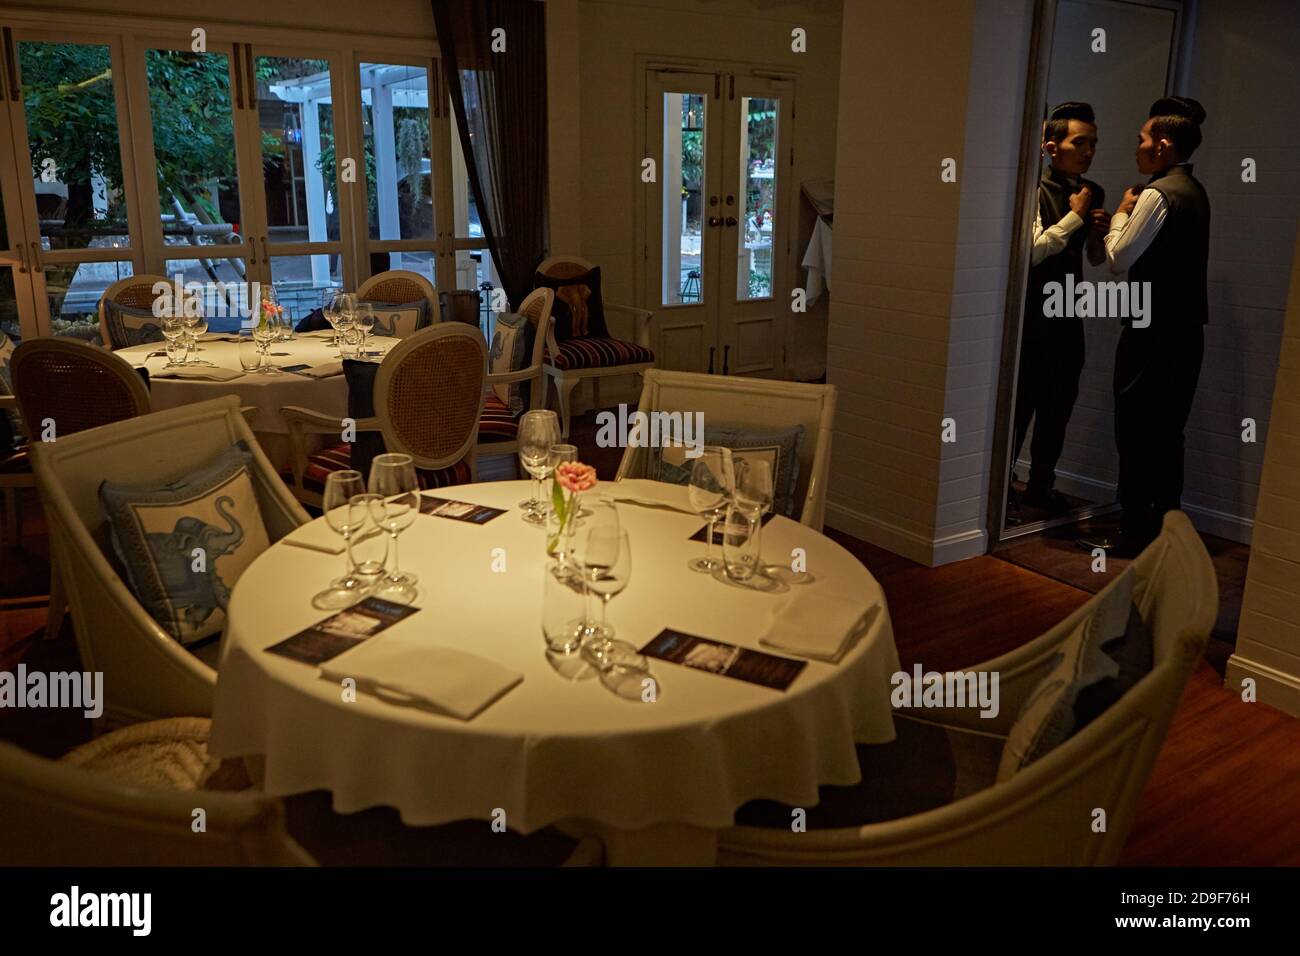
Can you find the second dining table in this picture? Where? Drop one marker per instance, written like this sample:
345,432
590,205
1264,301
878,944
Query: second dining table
268,394
656,778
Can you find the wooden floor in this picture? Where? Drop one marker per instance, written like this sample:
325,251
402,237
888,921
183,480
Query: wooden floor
1224,791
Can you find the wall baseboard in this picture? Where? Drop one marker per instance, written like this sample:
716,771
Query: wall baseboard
1273,687
882,534
959,547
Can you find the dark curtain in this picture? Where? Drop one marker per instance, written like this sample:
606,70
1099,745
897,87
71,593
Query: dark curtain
500,103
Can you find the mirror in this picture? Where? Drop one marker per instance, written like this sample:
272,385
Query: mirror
1107,61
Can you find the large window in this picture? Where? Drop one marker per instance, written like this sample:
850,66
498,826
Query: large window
303,159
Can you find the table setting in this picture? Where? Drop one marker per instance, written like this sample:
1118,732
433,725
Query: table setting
560,650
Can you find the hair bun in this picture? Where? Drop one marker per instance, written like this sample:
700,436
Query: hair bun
1179,106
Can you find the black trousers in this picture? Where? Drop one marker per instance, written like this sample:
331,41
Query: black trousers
1155,382
1051,360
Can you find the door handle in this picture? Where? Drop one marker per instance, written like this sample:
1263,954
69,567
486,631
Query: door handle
22,258
266,252
252,250
712,349
36,257
726,359
731,220
714,221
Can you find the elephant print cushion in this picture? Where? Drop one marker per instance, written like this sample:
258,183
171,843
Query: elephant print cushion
400,320
579,309
184,544
128,326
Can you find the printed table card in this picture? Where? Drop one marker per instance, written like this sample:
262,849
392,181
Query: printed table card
457,510
729,660
342,631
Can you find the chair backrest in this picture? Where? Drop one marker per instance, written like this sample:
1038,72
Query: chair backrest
429,394
1045,814
564,267
398,287
133,292
53,814
75,385
754,402
536,307
111,625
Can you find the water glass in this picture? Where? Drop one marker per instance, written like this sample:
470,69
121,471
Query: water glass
340,488
364,321
713,481
741,542
250,354
396,490
562,609
539,432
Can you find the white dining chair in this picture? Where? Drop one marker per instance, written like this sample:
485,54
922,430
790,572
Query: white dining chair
1046,813
147,673
754,402
132,292
129,799
498,426
400,287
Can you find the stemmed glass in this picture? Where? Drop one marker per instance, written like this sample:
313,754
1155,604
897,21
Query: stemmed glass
713,481
173,330
602,517
341,314
340,488
365,321
607,568
539,431
397,489
264,333
195,327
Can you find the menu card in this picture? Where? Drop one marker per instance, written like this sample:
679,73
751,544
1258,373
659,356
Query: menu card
457,510
342,631
718,529
729,660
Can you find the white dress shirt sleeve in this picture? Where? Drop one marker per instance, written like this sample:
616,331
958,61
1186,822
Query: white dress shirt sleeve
1131,235
1050,241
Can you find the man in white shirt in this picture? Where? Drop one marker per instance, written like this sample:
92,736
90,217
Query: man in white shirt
1069,218
1161,235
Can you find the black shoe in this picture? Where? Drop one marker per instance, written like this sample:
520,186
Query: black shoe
1050,501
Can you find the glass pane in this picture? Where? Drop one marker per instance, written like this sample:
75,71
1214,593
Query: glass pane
296,115
72,131
399,179
74,290
474,270
194,146
682,173
9,325
302,282
225,296
467,224
758,119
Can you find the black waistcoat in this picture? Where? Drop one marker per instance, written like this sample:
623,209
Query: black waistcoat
1054,192
1177,261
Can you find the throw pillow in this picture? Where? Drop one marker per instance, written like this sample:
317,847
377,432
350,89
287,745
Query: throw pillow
1102,659
361,404
579,309
779,447
510,354
128,326
185,543
400,320
9,424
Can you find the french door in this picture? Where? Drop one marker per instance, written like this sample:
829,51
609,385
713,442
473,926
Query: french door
717,225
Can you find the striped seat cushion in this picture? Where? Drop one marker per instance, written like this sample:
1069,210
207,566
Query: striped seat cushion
497,423
593,352
339,458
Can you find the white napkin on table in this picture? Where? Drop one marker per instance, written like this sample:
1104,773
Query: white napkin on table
324,370
201,372
650,494
318,536
406,671
814,624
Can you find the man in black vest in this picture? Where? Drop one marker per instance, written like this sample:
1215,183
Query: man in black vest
1161,235
1070,216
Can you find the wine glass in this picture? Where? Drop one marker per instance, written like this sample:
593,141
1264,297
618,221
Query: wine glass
397,489
195,327
602,517
713,481
607,569
173,330
539,431
753,485
365,321
340,488
341,315
264,333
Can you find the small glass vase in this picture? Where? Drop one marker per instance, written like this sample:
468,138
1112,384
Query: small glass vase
559,526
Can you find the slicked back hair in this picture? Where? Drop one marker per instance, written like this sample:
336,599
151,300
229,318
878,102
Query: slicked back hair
1057,126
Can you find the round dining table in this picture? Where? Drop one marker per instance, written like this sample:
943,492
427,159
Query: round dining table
655,776
266,393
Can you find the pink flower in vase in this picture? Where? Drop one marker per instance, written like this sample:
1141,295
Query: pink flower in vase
573,476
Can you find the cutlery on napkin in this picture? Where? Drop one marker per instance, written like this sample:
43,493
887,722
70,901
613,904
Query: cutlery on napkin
651,494
209,373
814,624
404,670
318,536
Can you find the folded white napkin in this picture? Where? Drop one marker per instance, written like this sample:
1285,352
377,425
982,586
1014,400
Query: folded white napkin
210,373
406,670
325,370
318,536
814,624
650,494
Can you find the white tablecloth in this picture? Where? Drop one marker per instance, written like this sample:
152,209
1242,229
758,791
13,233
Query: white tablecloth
267,393
555,747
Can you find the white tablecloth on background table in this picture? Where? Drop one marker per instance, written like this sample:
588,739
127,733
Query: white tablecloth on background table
556,747
267,393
